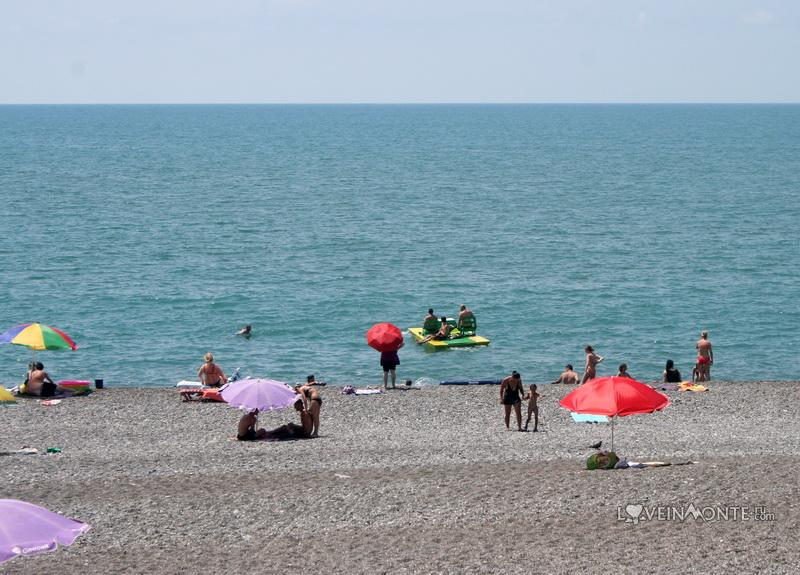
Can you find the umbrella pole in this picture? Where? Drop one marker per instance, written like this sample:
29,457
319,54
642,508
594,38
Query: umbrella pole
612,433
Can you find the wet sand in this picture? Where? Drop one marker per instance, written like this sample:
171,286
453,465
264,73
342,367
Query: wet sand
419,481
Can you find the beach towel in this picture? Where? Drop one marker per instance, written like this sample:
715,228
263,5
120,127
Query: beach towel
589,418
688,386
368,391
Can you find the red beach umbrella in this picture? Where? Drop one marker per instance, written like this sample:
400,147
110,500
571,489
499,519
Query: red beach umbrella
385,337
614,397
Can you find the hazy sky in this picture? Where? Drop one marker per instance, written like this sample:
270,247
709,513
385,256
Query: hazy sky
399,51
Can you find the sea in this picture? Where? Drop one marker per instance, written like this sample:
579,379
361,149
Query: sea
152,233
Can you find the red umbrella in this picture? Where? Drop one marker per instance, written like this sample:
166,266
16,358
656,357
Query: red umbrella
385,337
614,397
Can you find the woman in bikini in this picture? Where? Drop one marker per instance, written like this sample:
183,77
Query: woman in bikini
210,373
592,359
313,405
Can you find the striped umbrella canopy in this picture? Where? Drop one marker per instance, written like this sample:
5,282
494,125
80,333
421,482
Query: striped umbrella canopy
37,336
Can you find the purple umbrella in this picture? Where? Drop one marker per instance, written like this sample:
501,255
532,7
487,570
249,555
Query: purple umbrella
27,529
260,394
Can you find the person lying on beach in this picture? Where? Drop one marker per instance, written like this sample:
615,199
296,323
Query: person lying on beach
292,430
310,380
592,359
246,331
312,403
441,335
623,371
568,376
671,374
533,408
511,393
210,374
39,382
247,428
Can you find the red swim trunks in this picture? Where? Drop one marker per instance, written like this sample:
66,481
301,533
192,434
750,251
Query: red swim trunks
703,360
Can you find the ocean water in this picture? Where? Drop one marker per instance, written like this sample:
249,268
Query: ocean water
151,234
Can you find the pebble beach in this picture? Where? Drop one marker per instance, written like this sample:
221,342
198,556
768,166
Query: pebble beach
410,481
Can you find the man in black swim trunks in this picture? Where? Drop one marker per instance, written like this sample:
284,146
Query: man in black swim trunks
511,394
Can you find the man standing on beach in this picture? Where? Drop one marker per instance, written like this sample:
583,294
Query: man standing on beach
705,357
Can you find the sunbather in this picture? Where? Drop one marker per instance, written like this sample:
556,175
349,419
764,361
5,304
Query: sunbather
247,427
210,373
442,334
623,371
292,430
39,382
568,376
671,374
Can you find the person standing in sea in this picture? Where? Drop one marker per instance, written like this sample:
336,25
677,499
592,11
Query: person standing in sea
705,357
389,362
592,359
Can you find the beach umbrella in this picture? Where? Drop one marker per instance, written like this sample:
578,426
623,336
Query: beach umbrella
27,529
37,336
614,397
260,394
385,337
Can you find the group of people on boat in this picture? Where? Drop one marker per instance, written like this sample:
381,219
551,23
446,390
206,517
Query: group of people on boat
445,328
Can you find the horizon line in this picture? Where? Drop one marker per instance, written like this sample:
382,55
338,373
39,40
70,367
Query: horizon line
436,103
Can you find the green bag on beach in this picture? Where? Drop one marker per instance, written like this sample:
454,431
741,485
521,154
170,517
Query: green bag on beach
602,460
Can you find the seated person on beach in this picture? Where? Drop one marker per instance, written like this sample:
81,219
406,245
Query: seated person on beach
671,374
568,376
442,334
623,371
247,427
310,380
210,373
39,382
292,430
463,312
246,331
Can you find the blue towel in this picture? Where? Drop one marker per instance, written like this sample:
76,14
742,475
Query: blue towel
589,418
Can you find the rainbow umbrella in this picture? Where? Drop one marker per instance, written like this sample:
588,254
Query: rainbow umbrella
37,336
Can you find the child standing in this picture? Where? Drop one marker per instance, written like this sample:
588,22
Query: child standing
533,408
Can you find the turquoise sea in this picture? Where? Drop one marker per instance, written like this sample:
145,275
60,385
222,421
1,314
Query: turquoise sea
152,233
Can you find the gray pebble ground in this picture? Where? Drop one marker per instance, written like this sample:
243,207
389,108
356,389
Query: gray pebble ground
413,481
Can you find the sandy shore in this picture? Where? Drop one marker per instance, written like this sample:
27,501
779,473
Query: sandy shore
420,481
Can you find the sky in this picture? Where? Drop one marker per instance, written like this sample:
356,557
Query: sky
399,51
